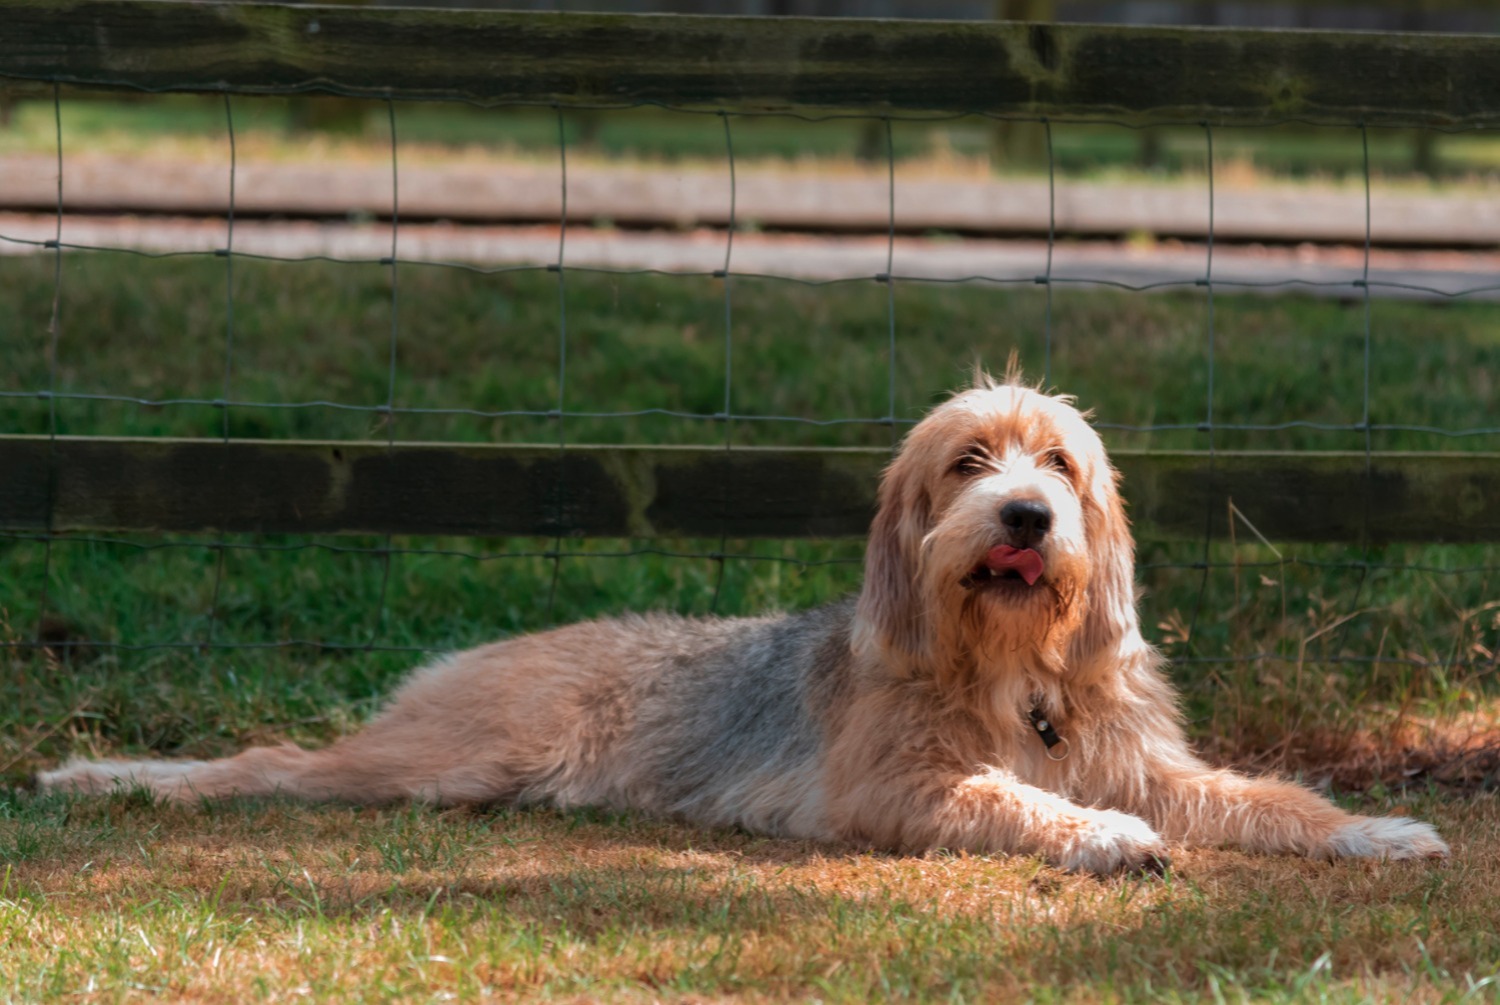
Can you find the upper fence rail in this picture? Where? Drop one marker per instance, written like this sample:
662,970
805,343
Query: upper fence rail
1134,75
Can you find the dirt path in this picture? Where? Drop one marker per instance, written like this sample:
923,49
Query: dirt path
811,197
1319,271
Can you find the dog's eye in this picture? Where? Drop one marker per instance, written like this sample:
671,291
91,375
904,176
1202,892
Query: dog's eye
1058,461
968,465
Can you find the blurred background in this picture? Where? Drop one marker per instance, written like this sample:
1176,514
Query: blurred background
1361,661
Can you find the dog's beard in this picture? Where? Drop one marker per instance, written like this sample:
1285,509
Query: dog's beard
991,625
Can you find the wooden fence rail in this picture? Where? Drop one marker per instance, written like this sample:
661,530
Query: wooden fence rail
92,484
1126,73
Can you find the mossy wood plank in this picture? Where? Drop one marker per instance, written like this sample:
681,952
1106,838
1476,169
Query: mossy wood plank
311,487
739,63
280,486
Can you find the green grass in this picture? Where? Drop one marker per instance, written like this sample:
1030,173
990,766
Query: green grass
157,329
115,899
282,128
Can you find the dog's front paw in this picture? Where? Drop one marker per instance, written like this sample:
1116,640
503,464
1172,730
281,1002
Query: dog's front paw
1110,842
1386,837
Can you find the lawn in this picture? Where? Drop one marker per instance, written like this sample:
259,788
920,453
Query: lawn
296,128
1370,659
116,900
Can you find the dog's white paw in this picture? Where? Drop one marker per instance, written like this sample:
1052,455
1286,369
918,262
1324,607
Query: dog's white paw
1114,842
1386,837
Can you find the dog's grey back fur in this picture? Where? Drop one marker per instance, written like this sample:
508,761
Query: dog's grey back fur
735,710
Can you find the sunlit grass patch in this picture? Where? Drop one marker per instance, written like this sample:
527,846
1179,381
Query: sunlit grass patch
261,900
189,127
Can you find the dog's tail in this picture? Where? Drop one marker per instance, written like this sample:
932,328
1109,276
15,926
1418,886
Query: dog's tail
342,772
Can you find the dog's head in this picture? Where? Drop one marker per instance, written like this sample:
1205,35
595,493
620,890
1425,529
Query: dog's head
1000,540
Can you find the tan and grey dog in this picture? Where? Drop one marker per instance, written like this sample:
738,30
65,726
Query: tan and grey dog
988,690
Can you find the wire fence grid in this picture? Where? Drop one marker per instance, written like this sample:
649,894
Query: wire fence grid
385,415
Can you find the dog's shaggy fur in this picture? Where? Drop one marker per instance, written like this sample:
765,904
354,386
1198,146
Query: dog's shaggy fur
900,719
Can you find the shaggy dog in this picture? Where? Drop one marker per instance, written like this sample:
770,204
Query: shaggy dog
988,690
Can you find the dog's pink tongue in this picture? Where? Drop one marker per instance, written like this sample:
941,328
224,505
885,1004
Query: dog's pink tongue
1025,561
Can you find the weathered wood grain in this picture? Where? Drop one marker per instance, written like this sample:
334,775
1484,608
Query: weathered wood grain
759,64
347,487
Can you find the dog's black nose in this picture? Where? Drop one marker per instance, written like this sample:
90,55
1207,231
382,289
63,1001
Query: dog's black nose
1027,520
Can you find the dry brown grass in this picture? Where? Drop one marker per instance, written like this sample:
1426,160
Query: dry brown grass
116,899
1458,752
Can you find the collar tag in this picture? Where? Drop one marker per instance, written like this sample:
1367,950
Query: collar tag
1045,730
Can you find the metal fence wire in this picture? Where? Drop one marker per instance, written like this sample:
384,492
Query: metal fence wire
1475,563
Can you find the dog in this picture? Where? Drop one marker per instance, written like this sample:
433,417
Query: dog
987,690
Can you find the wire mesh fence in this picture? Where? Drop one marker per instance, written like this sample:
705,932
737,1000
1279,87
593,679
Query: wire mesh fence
420,354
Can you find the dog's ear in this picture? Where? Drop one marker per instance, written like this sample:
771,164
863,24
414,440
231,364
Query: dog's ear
890,620
1110,614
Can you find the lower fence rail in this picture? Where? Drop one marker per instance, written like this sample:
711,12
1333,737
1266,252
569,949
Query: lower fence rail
64,484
